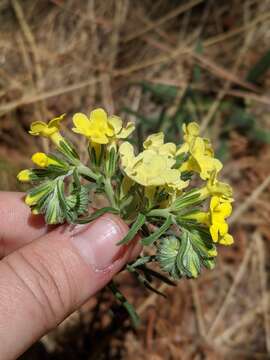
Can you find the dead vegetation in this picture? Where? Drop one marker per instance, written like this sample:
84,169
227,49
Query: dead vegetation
63,56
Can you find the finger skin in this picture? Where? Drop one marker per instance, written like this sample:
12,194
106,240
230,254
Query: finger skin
46,280
17,225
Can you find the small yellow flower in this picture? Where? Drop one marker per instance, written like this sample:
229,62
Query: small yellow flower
99,128
24,175
42,160
155,142
50,130
199,162
191,132
216,188
31,200
219,211
150,168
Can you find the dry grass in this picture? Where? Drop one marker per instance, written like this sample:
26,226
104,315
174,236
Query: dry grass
63,56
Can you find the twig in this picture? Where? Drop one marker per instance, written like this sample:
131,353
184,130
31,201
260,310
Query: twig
229,296
213,109
244,321
197,304
175,12
250,200
151,299
263,283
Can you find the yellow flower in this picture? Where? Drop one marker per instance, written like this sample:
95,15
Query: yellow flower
50,130
155,142
199,162
42,160
24,175
99,128
216,188
150,168
191,132
219,211
31,200
200,216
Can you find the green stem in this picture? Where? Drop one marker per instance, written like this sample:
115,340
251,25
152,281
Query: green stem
110,192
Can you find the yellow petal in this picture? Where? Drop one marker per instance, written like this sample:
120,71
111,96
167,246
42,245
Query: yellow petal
100,138
226,240
167,149
226,209
37,127
214,232
116,123
126,131
223,228
98,115
154,140
214,202
55,122
40,159
127,154
197,147
81,122
24,175
193,129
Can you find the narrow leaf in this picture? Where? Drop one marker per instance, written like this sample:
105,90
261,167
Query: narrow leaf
97,214
125,303
157,275
157,234
136,226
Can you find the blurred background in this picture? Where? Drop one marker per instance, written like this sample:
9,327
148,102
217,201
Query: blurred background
160,63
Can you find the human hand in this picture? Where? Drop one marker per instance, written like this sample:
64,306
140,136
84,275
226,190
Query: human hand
46,273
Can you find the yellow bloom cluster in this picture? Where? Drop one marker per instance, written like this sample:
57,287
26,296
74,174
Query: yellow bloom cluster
201,159
159,167
215,219
219,211
101,129
154,165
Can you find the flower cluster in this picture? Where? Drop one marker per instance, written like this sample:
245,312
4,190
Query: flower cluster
171,188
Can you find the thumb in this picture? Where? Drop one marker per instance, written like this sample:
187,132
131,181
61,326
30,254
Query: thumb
43,282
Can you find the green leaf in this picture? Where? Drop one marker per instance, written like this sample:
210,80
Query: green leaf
111,162
142,260
157,234
55,210
179,257
188,262
153,273
136,226
68,150
97,214
187,199
143,280
125,303
167,254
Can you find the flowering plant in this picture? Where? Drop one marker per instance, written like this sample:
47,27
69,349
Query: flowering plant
169,193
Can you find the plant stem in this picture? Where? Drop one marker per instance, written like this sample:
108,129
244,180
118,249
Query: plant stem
110,192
